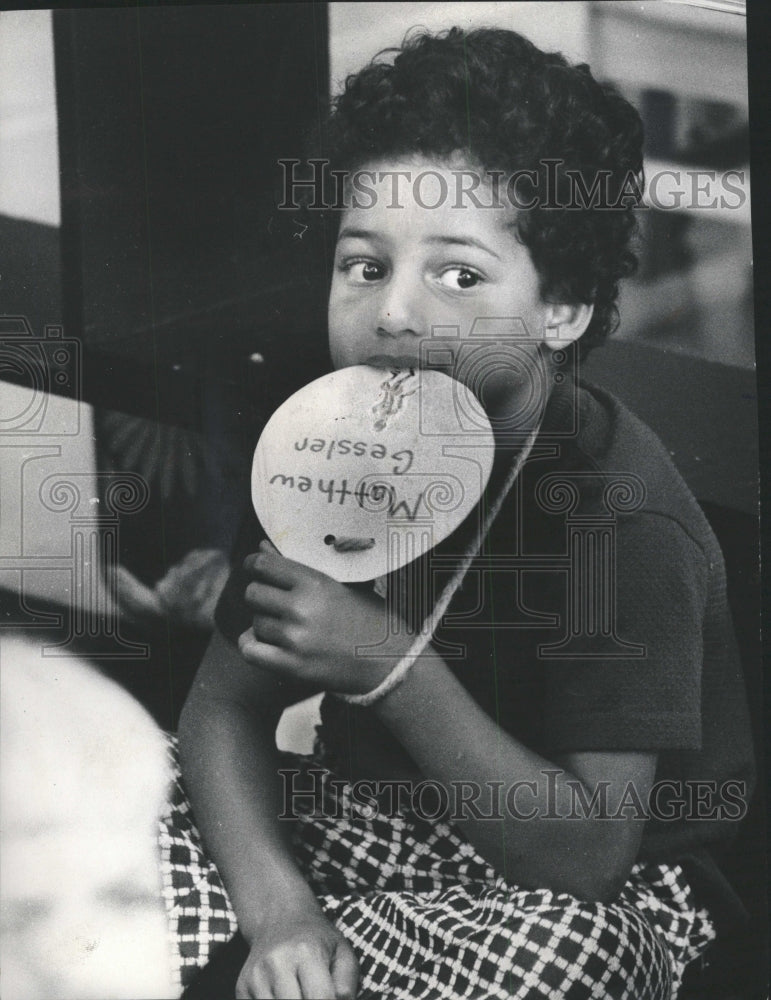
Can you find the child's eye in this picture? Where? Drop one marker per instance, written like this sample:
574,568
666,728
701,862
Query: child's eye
363,271
459,278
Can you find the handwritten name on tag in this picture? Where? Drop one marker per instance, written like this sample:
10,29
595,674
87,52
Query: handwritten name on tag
365,469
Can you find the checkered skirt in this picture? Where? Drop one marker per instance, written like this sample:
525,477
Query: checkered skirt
429,919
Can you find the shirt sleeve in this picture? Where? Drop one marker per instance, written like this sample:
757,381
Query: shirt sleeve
232,616
637,685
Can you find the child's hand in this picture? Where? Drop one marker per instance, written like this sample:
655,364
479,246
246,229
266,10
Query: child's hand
300,957
307,627
191,588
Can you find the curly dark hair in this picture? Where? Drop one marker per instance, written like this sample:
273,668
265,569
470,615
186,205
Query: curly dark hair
505,105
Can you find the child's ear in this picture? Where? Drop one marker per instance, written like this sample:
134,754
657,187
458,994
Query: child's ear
565,323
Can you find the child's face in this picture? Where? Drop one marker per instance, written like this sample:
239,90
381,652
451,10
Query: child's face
401,272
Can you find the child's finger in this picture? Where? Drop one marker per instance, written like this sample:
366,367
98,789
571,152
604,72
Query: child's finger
136,597
286,986
345,972
266,599
255,985
262,654
295,570
270,630
272,568
315,981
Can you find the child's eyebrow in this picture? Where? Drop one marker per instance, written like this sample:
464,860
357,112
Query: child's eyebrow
463,241
356,234
350,233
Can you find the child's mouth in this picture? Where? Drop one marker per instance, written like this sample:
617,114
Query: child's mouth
390,362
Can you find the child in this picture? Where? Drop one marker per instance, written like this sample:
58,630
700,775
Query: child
513,811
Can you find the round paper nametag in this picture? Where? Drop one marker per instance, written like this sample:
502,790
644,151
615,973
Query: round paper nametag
365,469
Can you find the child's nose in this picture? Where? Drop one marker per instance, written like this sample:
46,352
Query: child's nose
401,309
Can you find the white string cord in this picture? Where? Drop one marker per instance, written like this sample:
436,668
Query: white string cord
403,667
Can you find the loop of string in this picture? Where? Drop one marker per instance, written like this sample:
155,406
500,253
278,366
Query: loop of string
427,629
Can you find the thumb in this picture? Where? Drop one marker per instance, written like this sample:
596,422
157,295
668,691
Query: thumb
267,546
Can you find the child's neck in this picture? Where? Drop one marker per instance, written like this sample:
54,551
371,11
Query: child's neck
514,422
515,399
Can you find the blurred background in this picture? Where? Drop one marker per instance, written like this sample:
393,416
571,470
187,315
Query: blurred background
155,304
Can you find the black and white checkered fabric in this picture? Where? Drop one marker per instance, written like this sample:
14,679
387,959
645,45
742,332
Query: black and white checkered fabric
430,920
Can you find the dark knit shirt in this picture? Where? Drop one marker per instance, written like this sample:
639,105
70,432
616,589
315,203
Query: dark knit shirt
594,619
